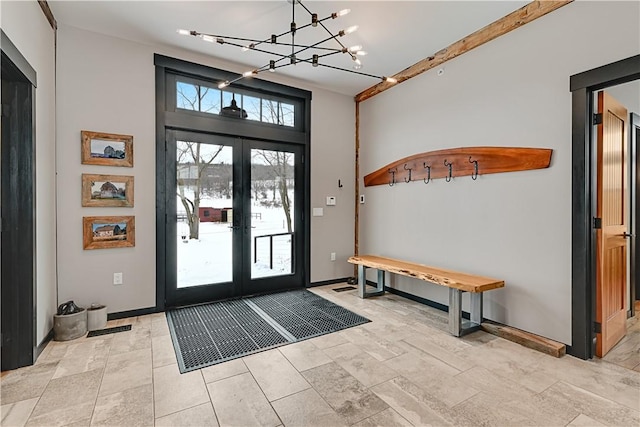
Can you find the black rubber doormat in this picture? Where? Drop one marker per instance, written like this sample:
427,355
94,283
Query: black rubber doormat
106,331
213,333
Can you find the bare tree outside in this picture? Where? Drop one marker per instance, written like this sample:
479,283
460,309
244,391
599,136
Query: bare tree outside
192,163
278,161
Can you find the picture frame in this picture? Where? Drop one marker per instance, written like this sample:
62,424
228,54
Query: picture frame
106,149
107,190
104,232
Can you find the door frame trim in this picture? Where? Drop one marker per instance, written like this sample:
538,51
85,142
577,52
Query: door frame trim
583,246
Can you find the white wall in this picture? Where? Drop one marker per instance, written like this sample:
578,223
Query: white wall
28,29
513,91
108,84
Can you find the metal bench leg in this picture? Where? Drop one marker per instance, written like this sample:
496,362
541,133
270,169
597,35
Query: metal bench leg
455,312
476,308
362,283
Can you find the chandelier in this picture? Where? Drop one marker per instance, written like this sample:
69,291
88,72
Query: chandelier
308,53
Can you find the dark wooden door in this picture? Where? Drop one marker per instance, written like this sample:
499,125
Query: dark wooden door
611,252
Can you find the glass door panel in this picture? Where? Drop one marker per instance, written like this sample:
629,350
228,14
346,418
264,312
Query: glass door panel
204,214
272,212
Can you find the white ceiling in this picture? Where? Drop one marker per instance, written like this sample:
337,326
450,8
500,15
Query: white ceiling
396,34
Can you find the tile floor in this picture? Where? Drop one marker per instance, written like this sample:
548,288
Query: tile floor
401,369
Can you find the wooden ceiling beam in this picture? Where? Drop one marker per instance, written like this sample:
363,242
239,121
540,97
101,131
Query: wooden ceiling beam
510,22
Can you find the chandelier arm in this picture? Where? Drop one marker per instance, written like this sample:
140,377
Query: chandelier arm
322,25
313,46
347,70
260,50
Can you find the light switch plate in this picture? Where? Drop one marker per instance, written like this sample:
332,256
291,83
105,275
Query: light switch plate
331,201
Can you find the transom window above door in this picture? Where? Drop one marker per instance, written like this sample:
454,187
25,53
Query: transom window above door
205,99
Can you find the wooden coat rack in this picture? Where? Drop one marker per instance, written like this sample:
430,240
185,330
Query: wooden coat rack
455,162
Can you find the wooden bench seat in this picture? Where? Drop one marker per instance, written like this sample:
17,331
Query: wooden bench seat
456,282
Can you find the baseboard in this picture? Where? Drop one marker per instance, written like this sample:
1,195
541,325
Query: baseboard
524,338
43,344
422,300
328,282
132,313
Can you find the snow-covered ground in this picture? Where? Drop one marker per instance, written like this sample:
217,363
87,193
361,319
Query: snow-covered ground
209,260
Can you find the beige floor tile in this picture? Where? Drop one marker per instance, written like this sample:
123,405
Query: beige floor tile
329,340
386,418
127,370
388,329
627,352
198,416
360,364
83,356
16,414
415,405
174,392
238,401
497,386
163,351
437,350
585,402
275,375
306,409
377,347
58,406
304,355
583,421
224,370
81,423
346,395
26,383
131,407
138,338
159,327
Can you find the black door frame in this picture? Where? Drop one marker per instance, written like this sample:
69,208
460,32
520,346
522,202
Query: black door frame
634,138
583,233
167,117
18,247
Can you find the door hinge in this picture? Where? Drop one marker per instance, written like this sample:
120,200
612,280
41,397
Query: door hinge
597,119
597,223
597,327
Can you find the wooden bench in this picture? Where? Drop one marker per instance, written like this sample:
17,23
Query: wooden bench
455,281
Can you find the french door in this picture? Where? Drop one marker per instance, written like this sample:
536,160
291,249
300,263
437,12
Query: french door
233,217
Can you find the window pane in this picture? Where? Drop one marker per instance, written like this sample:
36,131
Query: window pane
270,111
288,116
187,96
210,100
227,97
252,105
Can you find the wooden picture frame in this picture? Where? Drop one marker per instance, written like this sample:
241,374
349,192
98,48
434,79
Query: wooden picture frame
107,190
106,149
103,232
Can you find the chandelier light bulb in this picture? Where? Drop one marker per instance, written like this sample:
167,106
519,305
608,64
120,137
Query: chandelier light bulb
249,73
357,61
343,12
245,48
390,80
351,29
355,48
361,53
183,32
223,85
207,38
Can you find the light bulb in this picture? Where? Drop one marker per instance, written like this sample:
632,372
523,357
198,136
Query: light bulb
355,48
223,84
357,66
184,32
351,29
249,73
343,12
245,48
208,38
390,80
357,61
361,53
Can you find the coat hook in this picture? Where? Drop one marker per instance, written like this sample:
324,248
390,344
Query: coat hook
393,177
340,184
407,169
448,178
428,178
474,176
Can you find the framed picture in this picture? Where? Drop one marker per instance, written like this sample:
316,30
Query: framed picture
106,149
107,190
102,232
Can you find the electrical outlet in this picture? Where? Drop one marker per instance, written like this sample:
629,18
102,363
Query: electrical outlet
362,199
333,256
331,200
117,278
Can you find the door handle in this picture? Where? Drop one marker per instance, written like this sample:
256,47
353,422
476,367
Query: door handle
626,235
